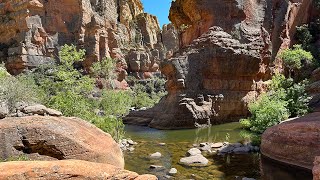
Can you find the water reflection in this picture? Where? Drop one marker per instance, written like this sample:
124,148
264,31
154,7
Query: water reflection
228,167
271,170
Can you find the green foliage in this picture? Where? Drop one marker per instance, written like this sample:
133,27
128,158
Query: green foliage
293,58
304,36
147,94
3,71
253,138
18,89
69,54
69,91
284,99
104,69
293,93
17,158
267,112
116,103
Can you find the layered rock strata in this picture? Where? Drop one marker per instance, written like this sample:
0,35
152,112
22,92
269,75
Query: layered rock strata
33,31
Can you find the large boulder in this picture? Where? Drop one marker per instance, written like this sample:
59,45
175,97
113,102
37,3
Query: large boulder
57,138
295,142
66,169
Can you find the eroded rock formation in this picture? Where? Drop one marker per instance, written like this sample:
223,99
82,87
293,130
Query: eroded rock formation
32,31
228,48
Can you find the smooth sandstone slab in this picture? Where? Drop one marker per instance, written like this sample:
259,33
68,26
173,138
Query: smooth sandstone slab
66,169
295,142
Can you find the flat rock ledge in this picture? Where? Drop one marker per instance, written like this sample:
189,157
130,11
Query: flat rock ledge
66,169
295,142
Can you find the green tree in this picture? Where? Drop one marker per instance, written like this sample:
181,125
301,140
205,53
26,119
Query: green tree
293,58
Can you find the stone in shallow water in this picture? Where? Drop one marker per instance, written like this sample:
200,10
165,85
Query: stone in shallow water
197,160
156,155
203,144
130,142
173,171
226,149
206,148
217,145
156,167
243,149
193,152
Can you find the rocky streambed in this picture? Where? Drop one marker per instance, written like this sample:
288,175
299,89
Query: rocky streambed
218,152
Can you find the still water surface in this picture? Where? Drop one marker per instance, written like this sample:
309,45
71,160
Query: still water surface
178,142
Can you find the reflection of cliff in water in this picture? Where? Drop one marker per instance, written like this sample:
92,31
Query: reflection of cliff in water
273,170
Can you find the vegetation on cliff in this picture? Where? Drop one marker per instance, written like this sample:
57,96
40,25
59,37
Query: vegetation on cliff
285,97
73,92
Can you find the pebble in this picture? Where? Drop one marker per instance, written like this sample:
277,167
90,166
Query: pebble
197,160
173,171
156,167
193,152
156,155
217,145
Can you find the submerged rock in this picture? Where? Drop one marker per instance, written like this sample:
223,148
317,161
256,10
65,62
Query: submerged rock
156,155
196,160
173,171
193,152
216,145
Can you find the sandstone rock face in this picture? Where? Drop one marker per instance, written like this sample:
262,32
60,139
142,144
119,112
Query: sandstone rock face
295,142
57,138
314,90
33,31
240,18
226,47
66,169
316,168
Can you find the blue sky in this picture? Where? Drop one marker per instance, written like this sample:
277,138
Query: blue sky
159,8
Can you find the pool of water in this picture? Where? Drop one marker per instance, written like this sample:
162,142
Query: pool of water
178,142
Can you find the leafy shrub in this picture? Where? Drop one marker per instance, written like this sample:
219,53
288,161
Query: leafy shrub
294,58
18,89
253,138
304,36
147,94
284,99
3,71
265,112
69,91
116,103
293,93
104,69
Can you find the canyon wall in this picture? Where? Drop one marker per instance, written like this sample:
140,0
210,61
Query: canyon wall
227,53
33,31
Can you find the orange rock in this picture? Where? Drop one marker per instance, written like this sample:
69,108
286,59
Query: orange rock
66,169
57,138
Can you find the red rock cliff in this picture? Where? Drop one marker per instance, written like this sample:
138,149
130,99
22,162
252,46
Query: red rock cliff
228,48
